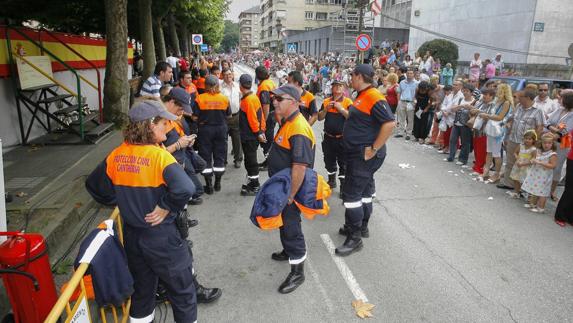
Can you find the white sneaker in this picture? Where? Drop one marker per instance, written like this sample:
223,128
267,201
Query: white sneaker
474,174
459,163
441,151
514,195
537,210
528,206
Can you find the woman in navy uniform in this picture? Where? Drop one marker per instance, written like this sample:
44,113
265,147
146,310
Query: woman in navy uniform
369,125
293,147
148,185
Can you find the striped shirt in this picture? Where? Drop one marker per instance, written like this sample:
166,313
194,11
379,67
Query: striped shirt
523,120
151,87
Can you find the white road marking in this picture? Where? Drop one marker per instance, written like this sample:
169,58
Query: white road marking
314,275
344,270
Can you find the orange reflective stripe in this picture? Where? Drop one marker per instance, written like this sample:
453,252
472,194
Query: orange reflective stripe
179,127
191,88
138,165
208,101
296,126
306,99
367,99
271,223
311,213
266,85
346,102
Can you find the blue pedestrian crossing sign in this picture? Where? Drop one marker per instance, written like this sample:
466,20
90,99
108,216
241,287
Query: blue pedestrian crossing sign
292,48
204,48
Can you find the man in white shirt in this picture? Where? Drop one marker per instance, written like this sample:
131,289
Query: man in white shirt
174,62
231,90
543,101
498,63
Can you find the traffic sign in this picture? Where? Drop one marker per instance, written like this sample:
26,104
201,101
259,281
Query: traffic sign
197,39
292,48
363,42
204,48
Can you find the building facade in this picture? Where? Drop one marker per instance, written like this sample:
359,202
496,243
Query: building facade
302,15
397,9
523,31
249,30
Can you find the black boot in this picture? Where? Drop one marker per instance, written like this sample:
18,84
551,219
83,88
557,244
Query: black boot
352,243
218,177
332,180
206,295
195,201
294,279
345,230
279,256
251,189
208,188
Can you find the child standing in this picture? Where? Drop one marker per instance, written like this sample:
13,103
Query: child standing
524,154
538,180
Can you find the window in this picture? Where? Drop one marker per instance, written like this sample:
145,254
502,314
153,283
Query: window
322,1
321,15
308,15
307,28
309,1
337,2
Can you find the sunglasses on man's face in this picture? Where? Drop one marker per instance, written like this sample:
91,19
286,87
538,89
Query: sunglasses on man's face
279,98
543,90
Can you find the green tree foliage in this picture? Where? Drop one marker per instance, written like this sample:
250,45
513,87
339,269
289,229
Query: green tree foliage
204,17
443,49
231,36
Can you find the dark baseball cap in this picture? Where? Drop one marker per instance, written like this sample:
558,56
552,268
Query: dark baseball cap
246,80
211,80
149,109
289,89
364,69
182,98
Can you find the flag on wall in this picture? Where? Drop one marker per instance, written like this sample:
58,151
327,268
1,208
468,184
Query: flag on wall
376,8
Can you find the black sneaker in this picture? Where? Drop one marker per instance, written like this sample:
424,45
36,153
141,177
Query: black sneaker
407,138
398,136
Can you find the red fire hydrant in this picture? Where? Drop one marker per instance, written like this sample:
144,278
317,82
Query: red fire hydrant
27,276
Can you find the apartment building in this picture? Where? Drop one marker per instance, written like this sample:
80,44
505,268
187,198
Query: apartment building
400,10
249,27
279,18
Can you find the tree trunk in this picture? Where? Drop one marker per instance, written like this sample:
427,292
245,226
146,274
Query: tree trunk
159,39
184,41
174,39
116,87
146,32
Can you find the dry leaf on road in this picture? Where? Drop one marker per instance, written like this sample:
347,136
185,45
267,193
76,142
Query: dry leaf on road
362,309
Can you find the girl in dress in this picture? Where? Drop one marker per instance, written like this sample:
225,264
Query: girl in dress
538,180
524,154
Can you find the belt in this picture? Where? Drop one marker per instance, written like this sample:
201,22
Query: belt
333,136
406,101
234,114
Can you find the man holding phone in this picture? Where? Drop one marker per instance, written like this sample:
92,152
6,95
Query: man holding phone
369,125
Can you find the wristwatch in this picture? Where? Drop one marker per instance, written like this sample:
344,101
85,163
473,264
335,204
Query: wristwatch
375,149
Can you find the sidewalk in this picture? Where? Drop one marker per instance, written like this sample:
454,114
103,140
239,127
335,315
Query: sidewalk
47,186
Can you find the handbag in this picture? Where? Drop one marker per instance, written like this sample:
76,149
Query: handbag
494,128
478,123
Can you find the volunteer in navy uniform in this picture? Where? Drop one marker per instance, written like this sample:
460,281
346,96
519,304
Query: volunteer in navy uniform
211,110
307,103
148,185
370,122
334,112
266,85
293,147
252,132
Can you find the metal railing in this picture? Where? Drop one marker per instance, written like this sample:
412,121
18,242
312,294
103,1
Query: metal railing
64,303
52,55
98,87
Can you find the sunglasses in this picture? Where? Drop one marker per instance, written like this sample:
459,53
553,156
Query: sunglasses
543,90
279,98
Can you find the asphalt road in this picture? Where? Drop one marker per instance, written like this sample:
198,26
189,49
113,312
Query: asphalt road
443,248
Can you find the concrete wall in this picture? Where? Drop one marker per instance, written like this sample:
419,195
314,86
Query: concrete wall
503,24
9,126
558,32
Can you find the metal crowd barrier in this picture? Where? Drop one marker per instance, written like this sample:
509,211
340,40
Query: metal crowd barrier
79,309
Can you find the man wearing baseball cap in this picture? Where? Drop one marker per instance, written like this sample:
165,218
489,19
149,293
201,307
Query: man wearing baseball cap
293,147
252,132
150,188
334,112
370,122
